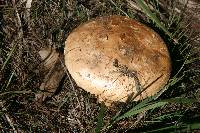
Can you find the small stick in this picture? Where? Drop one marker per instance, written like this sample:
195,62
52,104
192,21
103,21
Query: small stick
119,8
7,118
71,82
27,13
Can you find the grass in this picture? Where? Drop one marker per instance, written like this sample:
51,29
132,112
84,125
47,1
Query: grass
175,108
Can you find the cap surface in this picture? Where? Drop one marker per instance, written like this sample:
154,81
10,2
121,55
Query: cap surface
115,57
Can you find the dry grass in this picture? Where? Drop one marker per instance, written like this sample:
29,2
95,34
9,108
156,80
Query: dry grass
73,109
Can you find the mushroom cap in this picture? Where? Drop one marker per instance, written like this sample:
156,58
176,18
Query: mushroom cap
115,57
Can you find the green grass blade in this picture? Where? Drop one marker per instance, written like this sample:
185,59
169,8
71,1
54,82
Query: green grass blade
172,82
180,100
10,79
183,128
143,104
65,99
168,116
152,16
194,126
138,106
135,111
166,129
145,107
100,118
9,56
1,113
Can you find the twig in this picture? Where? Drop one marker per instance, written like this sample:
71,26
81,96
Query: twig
7,118
27,13
140,116
19,23
16,92
133,5
119,8
71,82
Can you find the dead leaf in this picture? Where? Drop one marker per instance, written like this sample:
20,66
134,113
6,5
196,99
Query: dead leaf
54,72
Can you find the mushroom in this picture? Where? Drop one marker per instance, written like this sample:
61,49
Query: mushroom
116,58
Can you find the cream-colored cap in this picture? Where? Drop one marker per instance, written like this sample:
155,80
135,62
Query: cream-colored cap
115,56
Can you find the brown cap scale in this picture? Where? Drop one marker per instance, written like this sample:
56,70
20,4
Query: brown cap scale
115,57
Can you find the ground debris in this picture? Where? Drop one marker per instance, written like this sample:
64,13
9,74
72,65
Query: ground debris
53,71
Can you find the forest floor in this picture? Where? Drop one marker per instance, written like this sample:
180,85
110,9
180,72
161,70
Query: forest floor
26,28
